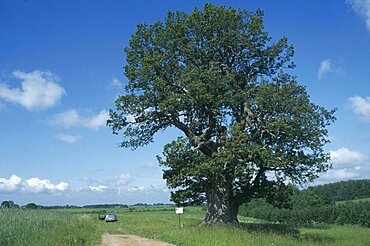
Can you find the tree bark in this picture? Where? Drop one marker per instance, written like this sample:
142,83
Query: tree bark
221,207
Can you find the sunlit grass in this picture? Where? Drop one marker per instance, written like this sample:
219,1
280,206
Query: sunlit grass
35,227
164,225
82,227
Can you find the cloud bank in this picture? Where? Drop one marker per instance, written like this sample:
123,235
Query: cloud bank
344,157
122,184
39,90
32,185
347,164
99,188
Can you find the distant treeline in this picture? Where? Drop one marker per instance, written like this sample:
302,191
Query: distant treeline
106,206
124,205
317,204
11,204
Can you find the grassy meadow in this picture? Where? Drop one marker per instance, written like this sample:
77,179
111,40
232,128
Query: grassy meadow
38,227
82,227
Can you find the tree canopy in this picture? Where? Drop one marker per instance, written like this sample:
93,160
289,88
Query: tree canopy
216,75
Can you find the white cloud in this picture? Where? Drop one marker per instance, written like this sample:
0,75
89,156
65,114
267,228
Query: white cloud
108,184
36,185
124,187
32,185
121,185
362,8
68,118
341,174
150,189
325,68
121,180
11,184
97,120
344,157
347,164
99,188
68,138
111,182
71,118
361,106
39,90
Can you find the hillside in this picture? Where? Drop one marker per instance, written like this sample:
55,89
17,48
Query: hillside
342,191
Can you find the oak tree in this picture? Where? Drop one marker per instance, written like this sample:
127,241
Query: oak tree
245,122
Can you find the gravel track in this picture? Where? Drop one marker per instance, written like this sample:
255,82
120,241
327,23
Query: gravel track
129,240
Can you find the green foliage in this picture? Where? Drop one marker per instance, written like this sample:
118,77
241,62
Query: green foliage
188,168
317,205
216,75
345,214
9,204
31,206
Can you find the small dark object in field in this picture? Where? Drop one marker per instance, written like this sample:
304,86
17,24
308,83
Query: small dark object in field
102,216
110,218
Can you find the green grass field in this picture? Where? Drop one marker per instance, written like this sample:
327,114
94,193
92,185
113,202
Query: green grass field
36,227
82,227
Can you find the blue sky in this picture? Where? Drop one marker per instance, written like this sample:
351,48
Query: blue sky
61,70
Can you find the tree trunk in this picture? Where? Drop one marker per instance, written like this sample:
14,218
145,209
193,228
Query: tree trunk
221,207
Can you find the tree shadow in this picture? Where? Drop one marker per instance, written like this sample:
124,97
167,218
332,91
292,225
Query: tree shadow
288,230
316,226
316,238
281,229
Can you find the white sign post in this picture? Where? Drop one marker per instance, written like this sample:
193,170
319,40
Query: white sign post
179,211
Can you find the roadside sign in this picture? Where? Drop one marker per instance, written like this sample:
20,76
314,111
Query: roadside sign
179,211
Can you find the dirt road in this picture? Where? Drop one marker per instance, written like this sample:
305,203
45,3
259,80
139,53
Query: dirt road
129,240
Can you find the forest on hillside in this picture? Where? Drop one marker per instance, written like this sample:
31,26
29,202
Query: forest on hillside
336,203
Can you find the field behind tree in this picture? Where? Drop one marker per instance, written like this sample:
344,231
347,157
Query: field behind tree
82,227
